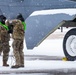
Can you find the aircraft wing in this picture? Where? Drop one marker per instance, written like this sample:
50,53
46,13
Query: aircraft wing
40,25
10,8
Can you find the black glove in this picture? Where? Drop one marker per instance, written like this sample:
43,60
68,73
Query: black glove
10,29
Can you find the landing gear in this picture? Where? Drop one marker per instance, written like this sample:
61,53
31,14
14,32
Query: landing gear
69,45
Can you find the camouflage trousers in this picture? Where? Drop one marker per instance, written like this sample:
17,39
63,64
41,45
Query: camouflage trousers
18,51
4,47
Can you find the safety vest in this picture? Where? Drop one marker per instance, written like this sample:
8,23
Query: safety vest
24,24
6,27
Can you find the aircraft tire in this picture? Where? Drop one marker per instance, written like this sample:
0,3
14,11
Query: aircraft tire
69,45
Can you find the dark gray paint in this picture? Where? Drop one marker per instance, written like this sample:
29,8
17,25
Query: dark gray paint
39,27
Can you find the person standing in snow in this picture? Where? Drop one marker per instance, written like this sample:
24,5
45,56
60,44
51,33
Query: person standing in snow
18,38
4,40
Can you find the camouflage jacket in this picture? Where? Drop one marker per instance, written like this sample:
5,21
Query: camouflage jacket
4,36
18,29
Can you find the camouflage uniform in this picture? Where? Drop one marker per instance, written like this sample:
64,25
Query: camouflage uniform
18,37
4,44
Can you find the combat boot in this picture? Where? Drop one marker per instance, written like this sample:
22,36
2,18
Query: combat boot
15,66
21,65
5,64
